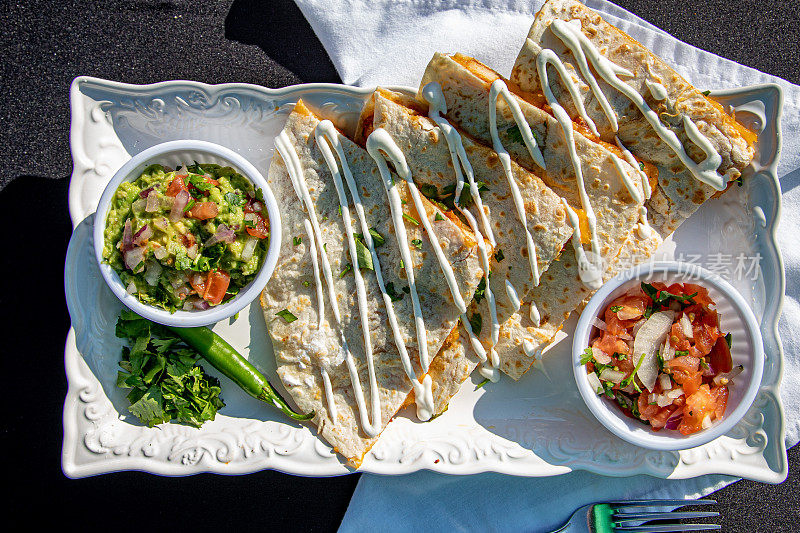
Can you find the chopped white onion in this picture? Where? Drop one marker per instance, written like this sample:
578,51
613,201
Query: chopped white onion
706,423
638,325
686,326
675,393
600,356
191,251
614,376
594,382
152,272
188,306
647,341
131,288
182,291
249,248
725,379
160,252
161,223
662,400
667,351
665,381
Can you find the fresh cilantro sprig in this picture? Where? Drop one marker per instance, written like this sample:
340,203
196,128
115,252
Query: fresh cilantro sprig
663,297
165,381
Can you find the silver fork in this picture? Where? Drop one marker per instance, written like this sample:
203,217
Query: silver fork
627,516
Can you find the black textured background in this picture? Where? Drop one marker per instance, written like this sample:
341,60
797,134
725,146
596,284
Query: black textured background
44,46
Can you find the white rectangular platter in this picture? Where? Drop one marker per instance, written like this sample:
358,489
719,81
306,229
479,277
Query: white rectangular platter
537,426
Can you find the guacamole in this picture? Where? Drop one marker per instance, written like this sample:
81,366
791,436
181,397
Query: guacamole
188,238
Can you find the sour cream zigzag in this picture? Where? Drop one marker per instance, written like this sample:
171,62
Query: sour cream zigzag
591,276
581,48
437,106
498,89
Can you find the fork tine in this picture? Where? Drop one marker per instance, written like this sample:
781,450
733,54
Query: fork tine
664,515
668,528
659,503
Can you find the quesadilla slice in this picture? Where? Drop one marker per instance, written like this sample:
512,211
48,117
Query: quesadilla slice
603,190
371,281
451,168
625,94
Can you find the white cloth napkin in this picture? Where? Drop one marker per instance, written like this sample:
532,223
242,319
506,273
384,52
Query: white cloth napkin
389,42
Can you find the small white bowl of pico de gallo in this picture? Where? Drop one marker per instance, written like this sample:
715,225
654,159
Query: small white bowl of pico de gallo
668,356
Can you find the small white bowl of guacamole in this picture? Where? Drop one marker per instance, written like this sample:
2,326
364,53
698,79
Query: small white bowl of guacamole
187,233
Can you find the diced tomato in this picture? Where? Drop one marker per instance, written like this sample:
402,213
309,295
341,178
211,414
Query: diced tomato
660,419
261,229
721,356
684,370
720,395
704,337
633,307
646,410
659,286
698,405
676,289
614,325
677,339
611,343
216,285
203,211
211,180
176,185
702,297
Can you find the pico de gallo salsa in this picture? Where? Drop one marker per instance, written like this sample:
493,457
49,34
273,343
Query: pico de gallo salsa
661,356
188,238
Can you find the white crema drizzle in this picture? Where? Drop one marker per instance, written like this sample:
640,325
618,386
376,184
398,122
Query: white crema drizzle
591,274
422,388
497,90
295,169
380,145
581,47
437,106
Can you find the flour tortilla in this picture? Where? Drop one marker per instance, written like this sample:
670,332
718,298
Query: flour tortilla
678,194
429,159
301,347
466,85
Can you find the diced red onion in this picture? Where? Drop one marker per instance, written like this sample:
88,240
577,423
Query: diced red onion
127,236
160,252
176,282
249,248
675,393
152,202
134,257
662,400
198,279
596,322
223,234
674,421
145,193
141,236
202,305
192,251
138,205
179,203
188,305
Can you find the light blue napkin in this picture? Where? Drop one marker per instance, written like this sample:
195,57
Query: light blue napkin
390,42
